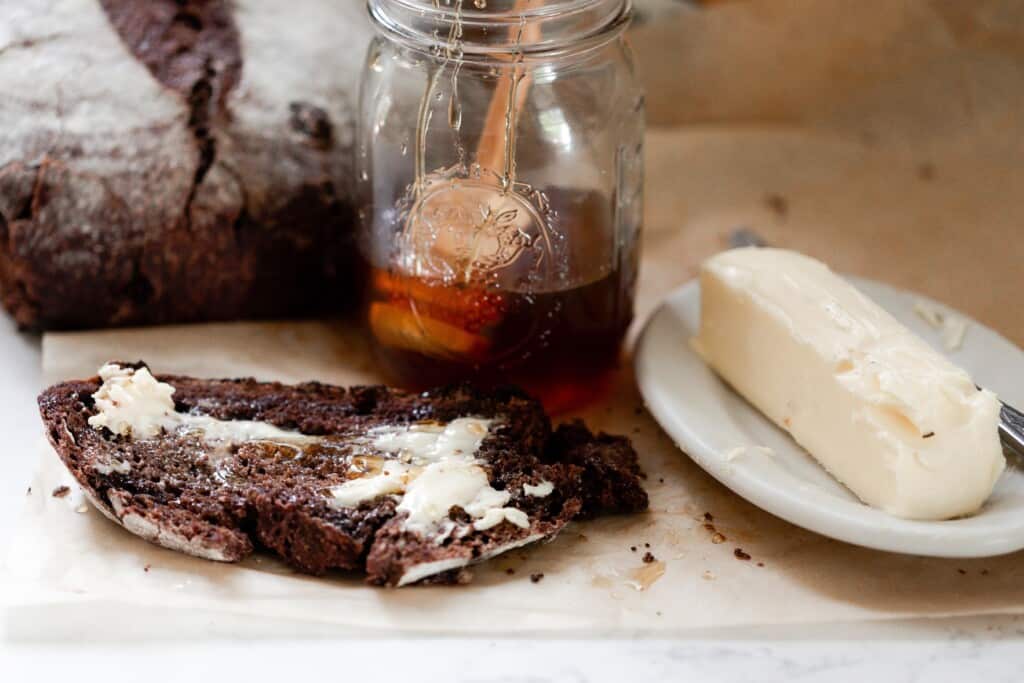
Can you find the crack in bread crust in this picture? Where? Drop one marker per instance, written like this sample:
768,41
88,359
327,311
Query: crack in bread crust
168,181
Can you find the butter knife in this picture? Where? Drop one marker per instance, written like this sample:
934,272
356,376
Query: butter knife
1011,430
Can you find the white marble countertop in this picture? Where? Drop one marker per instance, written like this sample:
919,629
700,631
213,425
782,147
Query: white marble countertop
966,650
928,650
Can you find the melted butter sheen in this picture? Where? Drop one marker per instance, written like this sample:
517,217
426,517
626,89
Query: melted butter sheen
432,467
391,479
133,403
436,468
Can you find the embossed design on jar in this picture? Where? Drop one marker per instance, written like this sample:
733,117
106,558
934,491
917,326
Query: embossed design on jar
469,231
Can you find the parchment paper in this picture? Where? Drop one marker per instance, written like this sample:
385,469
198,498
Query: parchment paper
926,196
591,573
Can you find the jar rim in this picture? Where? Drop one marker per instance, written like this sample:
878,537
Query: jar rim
470,12
563,29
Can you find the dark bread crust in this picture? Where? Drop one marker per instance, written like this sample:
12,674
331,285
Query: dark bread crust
181,42
218,189
183,493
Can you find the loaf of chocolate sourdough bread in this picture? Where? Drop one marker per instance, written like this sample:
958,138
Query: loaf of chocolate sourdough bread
406,487
176,160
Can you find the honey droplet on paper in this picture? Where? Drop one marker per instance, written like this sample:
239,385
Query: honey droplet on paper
646,576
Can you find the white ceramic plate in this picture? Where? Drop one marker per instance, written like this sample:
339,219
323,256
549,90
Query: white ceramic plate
708,420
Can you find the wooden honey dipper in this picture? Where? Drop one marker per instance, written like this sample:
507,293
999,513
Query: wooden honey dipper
497,139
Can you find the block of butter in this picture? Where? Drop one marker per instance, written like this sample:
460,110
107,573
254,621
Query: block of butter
893,420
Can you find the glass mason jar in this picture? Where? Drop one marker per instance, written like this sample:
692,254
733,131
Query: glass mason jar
501,180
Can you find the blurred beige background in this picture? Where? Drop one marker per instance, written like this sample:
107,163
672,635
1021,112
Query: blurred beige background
883,136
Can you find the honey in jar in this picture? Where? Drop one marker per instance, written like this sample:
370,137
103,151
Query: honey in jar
501,170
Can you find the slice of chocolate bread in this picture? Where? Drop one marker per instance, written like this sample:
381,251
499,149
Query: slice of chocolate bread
404,486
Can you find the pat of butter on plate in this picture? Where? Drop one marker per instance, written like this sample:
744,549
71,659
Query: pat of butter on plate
893,420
